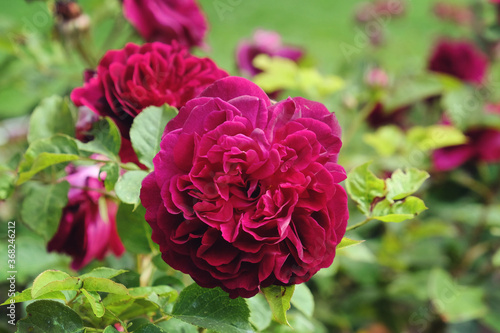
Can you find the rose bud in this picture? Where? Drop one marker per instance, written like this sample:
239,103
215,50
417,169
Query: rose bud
86,231
245,193
377,78
71,22
459,59
131,79
167,20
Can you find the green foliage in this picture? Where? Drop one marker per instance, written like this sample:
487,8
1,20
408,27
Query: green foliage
279,298
363,187
42,208
50,317
212,309
133,229
52,116
112,171
128,186
346,242
147,130
107,140
260,312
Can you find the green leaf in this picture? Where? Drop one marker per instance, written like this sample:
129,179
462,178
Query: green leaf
147,130
434,137
260,312
149,328
496,259
7,181
51,116
453,302
279,298
50,317
177,326
42,207
347,242
107,140
26,296
103,272
386,140
117,304
133,229
104,285
212,309
462,105
44,153
400,211
129,185
303,300
52,280
112,171
94,300
402,184
363,187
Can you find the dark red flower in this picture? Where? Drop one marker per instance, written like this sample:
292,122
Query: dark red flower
460,59
167,20
131,79
244,193
86,231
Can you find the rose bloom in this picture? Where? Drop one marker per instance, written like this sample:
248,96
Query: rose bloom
84,233
167,20
460,59
483,145
244,192
133,78
263,42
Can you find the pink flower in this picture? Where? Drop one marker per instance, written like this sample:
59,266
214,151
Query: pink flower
460,59
264,42
245,193
131,79
84,233
483,145
167,20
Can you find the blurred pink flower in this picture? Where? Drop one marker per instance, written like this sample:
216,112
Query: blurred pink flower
84,233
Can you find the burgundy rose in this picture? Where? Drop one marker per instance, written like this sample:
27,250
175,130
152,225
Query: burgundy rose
483,145
167,20
380,116
264,42
131,79
460,59
84,232
245,193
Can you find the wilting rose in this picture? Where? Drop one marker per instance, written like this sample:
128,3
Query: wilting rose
263,42
86,232
167,20
483,145
460,59
131,79
245,193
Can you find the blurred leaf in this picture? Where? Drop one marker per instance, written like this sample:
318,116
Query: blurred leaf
455,303
103,285
260,312
363,187
412,90
128,187
462,105
303,300
103,272
25,295
133,229
47,152
346,242
42,208
496,259
279,298
212,309
107,140
110,329
385,140
50,317
94,300
112,171
147,130
52,280
402,184
149,328
177,326
434,137
51,116
7,181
